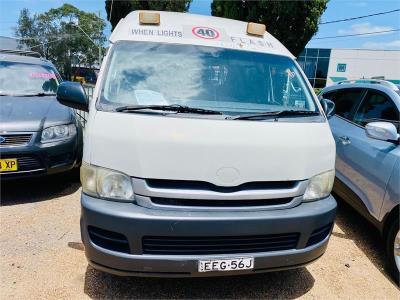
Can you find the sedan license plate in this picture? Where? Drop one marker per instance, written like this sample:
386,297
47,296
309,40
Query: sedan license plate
231,264
9,164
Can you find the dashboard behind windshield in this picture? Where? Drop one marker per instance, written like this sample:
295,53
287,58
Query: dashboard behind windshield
226,80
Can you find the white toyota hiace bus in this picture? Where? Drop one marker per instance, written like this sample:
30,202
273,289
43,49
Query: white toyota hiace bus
206,152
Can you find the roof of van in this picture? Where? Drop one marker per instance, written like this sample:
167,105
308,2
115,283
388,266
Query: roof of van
184,28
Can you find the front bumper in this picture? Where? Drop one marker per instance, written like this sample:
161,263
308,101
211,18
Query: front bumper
36,159
135,222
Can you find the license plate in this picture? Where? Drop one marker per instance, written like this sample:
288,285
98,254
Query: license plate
9,164
232,264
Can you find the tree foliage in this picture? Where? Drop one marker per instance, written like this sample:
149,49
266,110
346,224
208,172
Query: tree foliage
55,36
292,22
121,8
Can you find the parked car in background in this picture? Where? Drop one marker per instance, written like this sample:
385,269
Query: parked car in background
366,130
38,135
84,75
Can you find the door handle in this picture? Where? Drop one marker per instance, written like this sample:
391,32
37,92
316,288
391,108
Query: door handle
344,140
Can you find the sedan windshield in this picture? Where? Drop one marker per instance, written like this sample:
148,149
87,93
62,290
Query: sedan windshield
223,80
27,79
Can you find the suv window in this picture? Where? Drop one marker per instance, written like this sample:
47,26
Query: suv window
328,95
377,107
346,101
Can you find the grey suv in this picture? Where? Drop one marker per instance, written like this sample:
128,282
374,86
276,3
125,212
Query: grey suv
366,130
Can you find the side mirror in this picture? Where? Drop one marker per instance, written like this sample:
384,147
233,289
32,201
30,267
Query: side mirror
72,94
383,131
329,107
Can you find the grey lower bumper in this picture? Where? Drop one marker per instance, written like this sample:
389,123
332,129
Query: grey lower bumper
135,222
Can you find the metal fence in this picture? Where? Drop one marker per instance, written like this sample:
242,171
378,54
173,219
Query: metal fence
83,115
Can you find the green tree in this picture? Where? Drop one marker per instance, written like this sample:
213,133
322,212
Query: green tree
121,8
292,22
55,36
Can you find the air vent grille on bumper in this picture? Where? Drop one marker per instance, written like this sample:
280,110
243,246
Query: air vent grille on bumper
319,234
108,240
218,245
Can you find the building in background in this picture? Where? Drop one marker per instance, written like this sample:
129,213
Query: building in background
327,66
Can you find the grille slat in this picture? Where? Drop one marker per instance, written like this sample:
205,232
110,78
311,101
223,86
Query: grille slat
220,203
107,238
219,245
215,251
206,186
13,140
155,245
221,240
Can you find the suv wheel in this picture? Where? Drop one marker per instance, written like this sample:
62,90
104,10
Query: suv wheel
393,250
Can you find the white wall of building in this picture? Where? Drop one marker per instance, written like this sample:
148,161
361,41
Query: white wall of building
361,63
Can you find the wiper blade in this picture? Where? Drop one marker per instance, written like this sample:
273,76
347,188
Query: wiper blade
277,114
37,95
175,108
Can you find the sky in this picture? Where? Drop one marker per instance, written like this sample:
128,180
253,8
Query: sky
337,9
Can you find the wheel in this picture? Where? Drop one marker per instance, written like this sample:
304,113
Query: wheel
393,250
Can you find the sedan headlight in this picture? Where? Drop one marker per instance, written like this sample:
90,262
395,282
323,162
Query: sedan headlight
320,186
58,133
106,183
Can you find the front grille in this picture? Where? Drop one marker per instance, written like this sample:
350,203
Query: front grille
218,245
13,140
206,186
319,234
108,239
220,203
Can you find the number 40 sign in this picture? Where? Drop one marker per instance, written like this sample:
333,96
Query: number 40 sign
205,32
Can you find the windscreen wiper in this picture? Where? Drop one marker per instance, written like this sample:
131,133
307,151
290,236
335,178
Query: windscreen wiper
28,95
277,114
41,94
175,108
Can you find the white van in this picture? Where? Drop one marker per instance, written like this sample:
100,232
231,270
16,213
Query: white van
206,152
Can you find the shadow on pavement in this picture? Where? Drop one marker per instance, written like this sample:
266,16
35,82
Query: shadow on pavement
76,245
284,284
364,235
29,190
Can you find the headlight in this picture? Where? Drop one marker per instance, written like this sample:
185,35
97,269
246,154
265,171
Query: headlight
106,183
320,186
58,133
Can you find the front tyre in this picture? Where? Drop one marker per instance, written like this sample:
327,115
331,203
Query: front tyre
393,250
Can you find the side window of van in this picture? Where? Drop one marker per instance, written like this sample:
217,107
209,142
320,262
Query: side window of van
346,101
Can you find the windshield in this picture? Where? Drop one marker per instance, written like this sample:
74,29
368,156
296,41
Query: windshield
26,79
225,80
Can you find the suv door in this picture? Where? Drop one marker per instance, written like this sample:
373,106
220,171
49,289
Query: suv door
346,101
365,164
